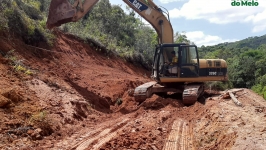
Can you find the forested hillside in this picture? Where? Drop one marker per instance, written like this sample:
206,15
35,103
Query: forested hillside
125,35
246,62
109,25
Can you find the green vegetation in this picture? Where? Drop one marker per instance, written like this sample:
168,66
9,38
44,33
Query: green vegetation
25,18
119,101
218,85
246,62
39,116
42,120
17,63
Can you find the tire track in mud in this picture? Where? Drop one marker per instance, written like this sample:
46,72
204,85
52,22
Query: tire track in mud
86,138
180,137
100,138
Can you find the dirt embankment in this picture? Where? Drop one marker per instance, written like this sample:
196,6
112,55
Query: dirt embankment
74,97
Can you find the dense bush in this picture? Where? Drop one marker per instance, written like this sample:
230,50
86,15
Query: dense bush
25,19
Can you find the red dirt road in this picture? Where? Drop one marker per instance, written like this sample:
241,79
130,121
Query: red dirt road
79,98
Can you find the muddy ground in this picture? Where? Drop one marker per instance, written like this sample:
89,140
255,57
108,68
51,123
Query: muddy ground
77,97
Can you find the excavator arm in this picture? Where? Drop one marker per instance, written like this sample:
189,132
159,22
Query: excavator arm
187,80
61,11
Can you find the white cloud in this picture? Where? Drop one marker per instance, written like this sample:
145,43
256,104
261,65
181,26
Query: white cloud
221,12
199,38
169,1
259,28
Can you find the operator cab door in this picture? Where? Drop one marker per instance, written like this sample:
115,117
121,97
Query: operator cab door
157,63
189,61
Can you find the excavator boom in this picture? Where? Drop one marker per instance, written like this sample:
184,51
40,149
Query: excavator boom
61,11
190,72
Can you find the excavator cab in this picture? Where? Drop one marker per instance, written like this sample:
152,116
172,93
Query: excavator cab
187,66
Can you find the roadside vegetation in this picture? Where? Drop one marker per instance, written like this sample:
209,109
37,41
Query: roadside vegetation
246,62
26,19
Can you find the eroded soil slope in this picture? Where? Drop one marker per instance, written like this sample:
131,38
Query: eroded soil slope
74,97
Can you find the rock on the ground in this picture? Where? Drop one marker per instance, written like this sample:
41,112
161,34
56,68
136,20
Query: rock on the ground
4,102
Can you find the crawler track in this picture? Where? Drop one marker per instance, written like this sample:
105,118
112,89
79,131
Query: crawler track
191,93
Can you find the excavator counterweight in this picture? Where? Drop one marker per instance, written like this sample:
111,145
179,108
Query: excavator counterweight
60,12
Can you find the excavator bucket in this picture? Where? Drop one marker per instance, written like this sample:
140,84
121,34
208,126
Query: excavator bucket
60,12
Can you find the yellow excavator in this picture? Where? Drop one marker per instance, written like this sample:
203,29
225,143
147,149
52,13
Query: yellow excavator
187,76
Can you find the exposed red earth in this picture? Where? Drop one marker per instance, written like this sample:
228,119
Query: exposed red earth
75,97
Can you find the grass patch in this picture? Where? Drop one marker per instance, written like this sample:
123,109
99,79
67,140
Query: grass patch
17,63
119,101
41,120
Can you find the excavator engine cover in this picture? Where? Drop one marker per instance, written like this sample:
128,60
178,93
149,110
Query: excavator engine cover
60,12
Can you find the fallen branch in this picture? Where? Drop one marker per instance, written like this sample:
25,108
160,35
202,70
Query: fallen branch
235,90
225,94
234,99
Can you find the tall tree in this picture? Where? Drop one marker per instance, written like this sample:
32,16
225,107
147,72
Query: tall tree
181,38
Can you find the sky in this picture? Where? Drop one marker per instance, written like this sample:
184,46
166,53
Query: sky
210,22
